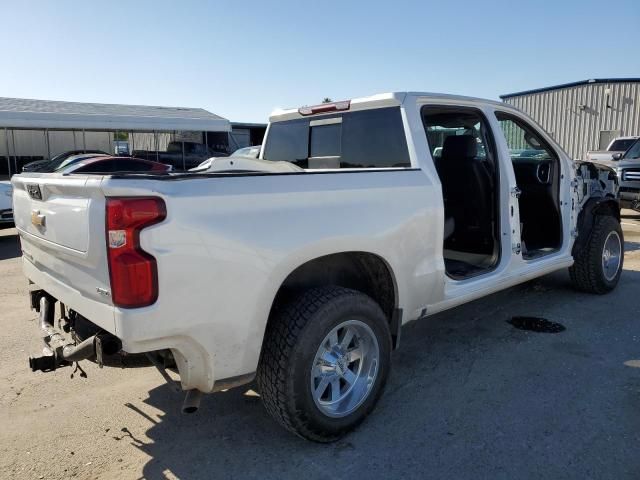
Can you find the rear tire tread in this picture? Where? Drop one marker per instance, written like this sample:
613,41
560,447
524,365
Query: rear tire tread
284,328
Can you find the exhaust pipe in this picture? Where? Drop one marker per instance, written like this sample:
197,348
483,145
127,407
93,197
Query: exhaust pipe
192,401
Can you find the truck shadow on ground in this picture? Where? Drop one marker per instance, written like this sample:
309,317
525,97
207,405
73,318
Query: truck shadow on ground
630,215
469,396
631,246
9,244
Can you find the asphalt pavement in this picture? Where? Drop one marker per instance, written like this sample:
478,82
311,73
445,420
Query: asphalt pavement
469,397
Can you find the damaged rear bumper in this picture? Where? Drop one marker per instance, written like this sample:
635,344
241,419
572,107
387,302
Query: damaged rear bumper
62,345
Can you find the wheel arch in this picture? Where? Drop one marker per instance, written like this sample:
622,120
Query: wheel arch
363,271
597,206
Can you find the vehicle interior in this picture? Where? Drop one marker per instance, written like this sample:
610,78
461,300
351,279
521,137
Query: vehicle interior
537,170
464,154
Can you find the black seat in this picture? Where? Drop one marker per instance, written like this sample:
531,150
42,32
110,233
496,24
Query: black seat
466,189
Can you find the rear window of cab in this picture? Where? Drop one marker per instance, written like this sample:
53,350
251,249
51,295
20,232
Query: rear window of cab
358,139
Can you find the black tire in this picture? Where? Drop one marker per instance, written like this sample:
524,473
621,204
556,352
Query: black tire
294,334
587,273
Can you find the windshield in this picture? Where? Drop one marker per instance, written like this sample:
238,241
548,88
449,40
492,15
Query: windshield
621,145
633,152
247,152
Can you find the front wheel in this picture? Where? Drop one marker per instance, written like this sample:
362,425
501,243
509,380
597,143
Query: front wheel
324,363
598,266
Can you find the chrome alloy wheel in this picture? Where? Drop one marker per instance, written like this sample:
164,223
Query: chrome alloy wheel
344,368
611,255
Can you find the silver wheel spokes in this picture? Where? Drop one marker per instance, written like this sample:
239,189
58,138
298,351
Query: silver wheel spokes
611,255
344,368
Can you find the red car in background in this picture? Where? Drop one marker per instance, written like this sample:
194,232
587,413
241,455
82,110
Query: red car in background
111,164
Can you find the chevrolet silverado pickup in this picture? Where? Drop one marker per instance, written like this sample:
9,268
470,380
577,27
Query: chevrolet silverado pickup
300,267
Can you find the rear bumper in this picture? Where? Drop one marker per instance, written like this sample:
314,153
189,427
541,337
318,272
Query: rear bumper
60,347
144,330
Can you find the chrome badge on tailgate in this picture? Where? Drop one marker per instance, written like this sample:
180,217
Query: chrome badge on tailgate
34,191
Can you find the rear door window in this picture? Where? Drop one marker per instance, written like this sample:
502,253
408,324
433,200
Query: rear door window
360,139
288,141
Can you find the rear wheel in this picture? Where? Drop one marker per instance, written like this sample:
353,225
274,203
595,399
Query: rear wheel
324,363
598,266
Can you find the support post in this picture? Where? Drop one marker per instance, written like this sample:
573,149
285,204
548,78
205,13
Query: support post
6,138
47,142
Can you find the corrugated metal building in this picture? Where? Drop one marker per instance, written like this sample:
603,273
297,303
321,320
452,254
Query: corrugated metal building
584,115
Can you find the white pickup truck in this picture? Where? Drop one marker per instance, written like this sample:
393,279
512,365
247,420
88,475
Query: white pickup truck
300,267
617,147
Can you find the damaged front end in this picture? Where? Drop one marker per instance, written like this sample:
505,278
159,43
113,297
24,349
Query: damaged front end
595,181
595,192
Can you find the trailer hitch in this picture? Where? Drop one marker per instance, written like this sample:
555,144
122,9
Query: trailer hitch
59,351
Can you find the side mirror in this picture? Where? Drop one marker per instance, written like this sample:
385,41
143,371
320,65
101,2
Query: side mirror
532,141
617,156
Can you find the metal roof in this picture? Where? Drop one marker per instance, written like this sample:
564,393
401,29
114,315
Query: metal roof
248,125
27,113
572,84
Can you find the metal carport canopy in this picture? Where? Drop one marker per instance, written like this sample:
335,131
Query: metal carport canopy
38,114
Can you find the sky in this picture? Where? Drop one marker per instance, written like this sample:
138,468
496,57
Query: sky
241,59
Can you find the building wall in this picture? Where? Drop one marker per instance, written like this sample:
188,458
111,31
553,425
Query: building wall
21,146
576,115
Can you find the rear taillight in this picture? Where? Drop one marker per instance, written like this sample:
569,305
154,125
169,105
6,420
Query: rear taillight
133,272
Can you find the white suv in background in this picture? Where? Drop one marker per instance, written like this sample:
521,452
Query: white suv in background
617,146
6,207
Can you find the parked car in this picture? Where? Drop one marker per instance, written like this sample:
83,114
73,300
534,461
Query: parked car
71,160
249,152
627,166
6,207
617,146
51,165
194,154
303,278
108,164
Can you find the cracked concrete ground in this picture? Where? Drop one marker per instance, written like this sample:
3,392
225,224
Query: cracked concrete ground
469,397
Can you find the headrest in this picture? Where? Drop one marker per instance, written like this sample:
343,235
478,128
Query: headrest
459,147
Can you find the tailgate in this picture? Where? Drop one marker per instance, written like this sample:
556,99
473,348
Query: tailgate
61,222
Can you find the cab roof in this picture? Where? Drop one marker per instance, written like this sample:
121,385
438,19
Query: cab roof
380,100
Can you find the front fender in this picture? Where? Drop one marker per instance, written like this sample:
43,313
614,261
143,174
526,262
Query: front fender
604,205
